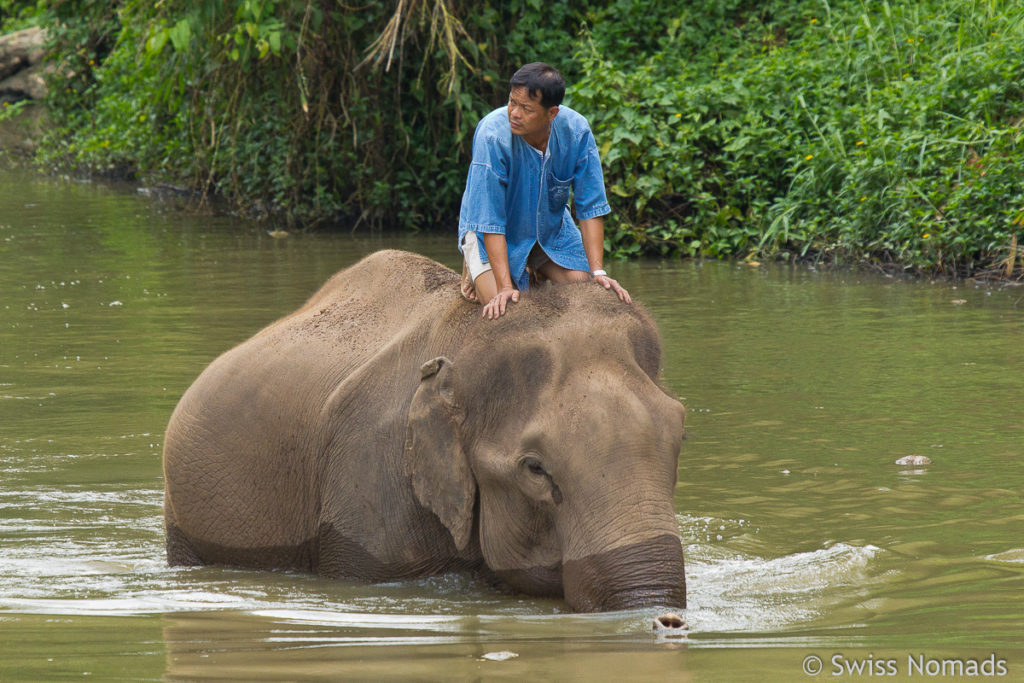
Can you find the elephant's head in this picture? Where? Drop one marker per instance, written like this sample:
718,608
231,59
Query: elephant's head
550,427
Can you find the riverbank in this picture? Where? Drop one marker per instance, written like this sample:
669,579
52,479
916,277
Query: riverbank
20,137
842,134
20,134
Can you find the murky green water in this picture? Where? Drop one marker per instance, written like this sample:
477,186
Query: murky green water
802,535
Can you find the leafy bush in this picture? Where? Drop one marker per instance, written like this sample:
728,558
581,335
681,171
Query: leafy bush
885,132
18,14
261,102
807,129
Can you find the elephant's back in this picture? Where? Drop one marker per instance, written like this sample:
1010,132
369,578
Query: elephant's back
246,436
362,308
388,281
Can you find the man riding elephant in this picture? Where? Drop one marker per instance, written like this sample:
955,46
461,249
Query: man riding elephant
515,219
361,437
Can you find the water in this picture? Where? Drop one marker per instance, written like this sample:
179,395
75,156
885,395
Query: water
803,537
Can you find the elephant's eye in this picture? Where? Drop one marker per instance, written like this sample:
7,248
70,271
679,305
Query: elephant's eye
533,464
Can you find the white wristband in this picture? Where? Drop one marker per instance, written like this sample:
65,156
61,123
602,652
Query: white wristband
598,272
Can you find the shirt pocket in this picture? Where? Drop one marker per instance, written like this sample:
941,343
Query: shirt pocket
558,192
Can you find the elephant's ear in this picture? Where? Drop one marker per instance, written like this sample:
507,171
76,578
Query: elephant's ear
434,458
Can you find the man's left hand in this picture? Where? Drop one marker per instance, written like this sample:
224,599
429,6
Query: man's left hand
609,283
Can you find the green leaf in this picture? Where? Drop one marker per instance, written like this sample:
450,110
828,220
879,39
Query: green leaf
737,144
157,41
621,134
180,35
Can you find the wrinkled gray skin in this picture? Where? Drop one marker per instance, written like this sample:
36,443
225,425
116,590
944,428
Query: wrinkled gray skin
385,430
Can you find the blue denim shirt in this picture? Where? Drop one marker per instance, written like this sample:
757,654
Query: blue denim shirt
512,190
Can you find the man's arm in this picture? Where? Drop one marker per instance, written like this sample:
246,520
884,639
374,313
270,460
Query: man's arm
593,245
593,241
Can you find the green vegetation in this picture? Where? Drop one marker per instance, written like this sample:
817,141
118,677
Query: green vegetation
17,14
893,134
846,131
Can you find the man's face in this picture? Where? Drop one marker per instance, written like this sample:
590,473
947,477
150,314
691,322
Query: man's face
527,116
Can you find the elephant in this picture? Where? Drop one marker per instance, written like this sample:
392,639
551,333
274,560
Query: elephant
386,431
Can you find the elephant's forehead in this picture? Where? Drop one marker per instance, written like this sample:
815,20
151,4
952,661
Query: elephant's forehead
506,380
581,337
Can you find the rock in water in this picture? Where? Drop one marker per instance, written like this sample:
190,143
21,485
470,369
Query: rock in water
914,460
499,656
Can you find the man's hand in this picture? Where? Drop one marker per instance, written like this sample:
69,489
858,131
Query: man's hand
611,284
495,308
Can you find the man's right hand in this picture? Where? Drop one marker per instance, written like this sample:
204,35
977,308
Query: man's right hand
495,308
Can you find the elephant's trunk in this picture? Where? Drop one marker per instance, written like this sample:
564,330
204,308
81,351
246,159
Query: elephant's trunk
643,574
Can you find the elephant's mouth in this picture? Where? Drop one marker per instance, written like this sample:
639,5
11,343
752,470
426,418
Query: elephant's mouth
541,581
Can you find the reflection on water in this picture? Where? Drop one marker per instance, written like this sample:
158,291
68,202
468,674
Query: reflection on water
800,529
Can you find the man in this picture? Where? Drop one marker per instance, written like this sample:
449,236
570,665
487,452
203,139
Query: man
515,217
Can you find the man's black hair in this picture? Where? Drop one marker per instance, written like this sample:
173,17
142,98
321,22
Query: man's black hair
539,77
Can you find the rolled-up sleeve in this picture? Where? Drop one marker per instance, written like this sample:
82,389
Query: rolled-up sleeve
483,203
588,180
